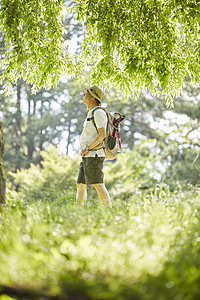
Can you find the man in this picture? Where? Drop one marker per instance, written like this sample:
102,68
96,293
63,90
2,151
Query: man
91,167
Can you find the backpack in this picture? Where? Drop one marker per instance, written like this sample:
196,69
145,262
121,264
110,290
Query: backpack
112,141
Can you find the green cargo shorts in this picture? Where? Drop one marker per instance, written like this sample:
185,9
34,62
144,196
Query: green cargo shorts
91,170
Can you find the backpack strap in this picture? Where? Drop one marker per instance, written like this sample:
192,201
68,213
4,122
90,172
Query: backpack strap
115,124
101,145
92,118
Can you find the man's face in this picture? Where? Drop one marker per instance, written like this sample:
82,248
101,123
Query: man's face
86,98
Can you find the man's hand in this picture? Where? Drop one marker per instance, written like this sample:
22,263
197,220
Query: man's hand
84,152
99,138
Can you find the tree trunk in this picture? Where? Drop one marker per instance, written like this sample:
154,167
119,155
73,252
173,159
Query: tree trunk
69,137
18,127
2,180
30,138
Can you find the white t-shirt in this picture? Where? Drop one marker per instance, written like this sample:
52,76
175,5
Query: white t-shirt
89,131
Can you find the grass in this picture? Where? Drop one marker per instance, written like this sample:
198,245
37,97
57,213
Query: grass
145,248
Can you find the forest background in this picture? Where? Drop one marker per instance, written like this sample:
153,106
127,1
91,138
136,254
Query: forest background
159,164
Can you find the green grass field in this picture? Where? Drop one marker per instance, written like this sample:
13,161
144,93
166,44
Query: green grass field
144,248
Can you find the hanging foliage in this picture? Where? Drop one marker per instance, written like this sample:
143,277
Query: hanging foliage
129,44
35,48
135,44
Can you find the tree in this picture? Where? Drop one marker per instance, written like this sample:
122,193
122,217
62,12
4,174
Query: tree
130,44
2,180
33,33
32,122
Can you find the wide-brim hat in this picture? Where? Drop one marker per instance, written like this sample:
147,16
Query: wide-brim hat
96,92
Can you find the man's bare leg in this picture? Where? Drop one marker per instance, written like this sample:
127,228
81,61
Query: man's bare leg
81,194
103,193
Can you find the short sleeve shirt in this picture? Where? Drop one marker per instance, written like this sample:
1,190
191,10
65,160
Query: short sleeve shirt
90,133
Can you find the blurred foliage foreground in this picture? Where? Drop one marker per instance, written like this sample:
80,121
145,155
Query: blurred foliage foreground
145,247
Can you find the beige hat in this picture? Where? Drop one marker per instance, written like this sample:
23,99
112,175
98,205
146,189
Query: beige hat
96,92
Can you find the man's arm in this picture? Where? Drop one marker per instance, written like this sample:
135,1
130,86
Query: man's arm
99,138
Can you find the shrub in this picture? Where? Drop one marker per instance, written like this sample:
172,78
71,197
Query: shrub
57,175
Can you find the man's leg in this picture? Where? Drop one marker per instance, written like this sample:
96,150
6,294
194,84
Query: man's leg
81,194
103,193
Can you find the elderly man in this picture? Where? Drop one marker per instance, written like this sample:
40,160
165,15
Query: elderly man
91,166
